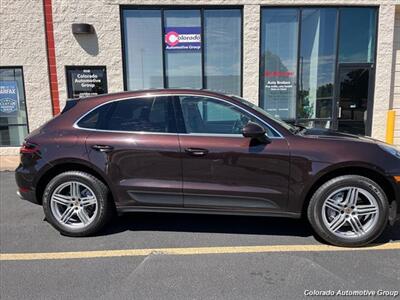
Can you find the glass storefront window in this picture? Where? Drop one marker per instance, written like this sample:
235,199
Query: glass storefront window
143,49
183,48
357,34
298,68
279,34
222,56
183,67
317,63
13,119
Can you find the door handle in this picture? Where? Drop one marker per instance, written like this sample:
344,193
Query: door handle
340,112
102,148
196,151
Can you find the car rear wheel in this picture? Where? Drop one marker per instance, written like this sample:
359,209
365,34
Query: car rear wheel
349,210
76,203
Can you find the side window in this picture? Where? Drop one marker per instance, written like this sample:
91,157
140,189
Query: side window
207,115
153,114
95,119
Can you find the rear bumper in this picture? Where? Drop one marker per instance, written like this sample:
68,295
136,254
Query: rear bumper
26,189
28,196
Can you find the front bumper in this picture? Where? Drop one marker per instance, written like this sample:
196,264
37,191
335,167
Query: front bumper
394,208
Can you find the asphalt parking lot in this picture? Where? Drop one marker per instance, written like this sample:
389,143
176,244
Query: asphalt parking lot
204,262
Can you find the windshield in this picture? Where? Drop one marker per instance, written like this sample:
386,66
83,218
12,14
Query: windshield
263,112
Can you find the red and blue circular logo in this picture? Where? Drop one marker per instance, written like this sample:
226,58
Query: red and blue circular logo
172,38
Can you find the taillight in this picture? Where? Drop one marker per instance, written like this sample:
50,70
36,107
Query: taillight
29,148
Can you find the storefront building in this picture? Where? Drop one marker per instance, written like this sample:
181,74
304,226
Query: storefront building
330,64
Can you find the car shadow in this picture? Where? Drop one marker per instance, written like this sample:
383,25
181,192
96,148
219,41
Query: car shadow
391,233
199,223
208,223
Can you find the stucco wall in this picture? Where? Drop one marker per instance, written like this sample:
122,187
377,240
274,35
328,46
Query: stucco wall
101,48
105,47
384,67
22,43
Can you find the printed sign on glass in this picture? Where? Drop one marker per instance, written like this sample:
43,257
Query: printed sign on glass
86,81
183,38
9,103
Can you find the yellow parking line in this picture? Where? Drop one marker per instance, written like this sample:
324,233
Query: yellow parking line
188,251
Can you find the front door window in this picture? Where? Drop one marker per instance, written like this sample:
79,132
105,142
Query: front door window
211,116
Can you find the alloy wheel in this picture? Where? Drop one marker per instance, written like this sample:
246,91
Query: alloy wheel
74,205
350,212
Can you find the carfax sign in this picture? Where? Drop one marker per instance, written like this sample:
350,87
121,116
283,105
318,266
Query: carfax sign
8,99
183,38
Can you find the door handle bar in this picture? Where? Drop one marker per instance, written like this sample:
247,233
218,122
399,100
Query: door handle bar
102,148
196,151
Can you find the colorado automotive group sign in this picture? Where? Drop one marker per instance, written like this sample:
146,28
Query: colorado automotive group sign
85,81
183,38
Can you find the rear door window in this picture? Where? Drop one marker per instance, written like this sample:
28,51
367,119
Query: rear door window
151,114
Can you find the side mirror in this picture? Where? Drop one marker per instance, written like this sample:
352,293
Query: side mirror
254,131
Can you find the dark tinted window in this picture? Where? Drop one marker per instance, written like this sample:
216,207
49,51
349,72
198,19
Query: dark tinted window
139,114
212,116
95,119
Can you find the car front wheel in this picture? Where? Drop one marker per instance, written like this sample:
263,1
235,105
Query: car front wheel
349,210
76,203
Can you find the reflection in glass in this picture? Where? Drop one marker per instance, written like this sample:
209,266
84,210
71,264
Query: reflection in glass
317,63
143,49
279,61
222,50
353,99
357,34
183,67
321,123
13,127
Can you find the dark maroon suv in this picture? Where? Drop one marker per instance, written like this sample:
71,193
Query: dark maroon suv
202,152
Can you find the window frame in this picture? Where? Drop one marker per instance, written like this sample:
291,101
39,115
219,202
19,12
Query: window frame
178,116
162,8
337,64
25,106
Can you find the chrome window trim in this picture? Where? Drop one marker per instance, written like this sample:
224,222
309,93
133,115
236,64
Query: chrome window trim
75,125
233,135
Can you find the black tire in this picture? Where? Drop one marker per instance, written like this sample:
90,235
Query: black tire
315,210
105,207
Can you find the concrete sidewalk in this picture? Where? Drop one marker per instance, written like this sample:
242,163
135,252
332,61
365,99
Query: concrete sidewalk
9,162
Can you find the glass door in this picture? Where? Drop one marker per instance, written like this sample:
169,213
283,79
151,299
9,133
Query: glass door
354,99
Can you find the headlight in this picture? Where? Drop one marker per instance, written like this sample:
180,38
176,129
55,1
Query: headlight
390,149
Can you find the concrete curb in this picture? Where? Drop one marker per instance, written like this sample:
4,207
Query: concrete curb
9,162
